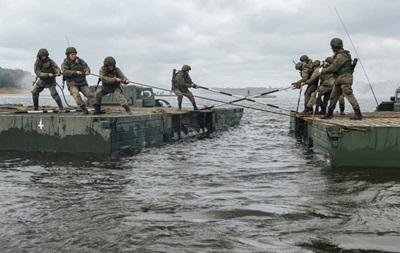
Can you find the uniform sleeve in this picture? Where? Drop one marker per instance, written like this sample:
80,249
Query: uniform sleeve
314,77
39,72
337,64
179,79
106,79
66,69
304,76
121,75
56,69
84,65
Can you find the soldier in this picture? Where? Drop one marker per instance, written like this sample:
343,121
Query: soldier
342,68
111,78
312,85
325,89
181,84
46,70
306,60
75,70
305,73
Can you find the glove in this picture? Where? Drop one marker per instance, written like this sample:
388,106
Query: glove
195,86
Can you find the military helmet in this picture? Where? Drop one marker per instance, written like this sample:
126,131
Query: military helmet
328,59
109,61
336,43
186,67
316,63
299,65
304,58
43,52
70,50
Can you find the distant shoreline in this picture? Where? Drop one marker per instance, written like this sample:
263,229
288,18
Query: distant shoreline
13,91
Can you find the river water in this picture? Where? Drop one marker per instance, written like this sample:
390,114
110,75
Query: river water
253,188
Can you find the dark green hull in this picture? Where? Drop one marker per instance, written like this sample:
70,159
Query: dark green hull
371,142
111,133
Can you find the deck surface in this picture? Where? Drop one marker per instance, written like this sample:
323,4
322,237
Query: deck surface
370,119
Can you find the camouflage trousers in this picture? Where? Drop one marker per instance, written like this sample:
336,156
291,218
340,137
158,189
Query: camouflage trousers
321,96
307,94
347,91
104,90
38,88
180,95
74,91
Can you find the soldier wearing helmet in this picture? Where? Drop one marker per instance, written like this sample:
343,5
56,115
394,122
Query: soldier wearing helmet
75,70
181,82
306,71
325,89
342,70
47,71
111,77
312,85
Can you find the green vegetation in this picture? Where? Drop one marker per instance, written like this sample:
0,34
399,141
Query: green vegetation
15,78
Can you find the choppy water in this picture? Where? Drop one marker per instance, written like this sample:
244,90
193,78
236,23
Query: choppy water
250,189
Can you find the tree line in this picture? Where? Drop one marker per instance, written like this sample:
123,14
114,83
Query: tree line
15,78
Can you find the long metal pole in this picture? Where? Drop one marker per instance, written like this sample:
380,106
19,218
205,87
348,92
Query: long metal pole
254,96
242,97
355,50
210,99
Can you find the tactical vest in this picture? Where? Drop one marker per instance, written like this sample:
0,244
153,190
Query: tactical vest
186,79
46,67
347,67
111,73
76,66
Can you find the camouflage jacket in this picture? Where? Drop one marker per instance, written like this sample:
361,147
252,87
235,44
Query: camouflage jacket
182,81
340,67
69,69
108,78
327,79
314,79
43,68
305,73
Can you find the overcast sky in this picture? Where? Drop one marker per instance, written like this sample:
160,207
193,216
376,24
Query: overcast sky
230,43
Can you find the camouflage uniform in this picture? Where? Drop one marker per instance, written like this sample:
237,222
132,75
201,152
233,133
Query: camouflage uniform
42,70
305,73
181,84
77,83
324,90
312,85
110,84
342,70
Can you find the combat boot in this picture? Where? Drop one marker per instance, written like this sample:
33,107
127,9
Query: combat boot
357,115
195,107
35,104
97,109
323,111
342,110
60,105
84,110
127,109
307,110
329,115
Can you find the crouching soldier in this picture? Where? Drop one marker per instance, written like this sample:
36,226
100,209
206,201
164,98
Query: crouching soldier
75,71
46,70
181,83
111,78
